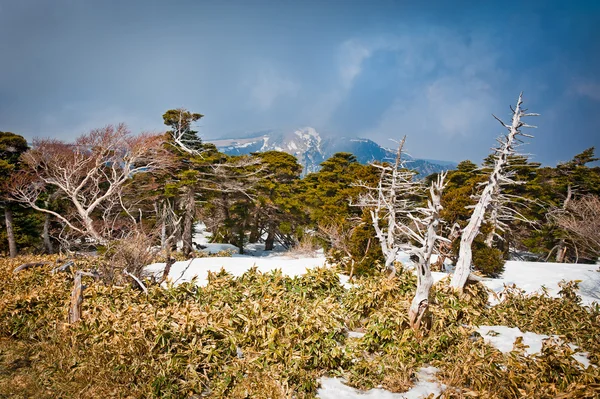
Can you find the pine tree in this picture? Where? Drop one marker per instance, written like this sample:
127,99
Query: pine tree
18,223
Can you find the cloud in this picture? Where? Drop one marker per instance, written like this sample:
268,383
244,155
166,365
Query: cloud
447,107
268,85
448,85
352,55
587,88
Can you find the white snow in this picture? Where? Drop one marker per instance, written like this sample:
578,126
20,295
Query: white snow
345,281
236,265
334,388
503,339
355,334
265,143
531,276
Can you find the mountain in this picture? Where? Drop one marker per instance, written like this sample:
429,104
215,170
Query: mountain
311,149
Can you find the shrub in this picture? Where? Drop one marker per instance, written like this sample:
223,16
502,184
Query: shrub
487,260
267,335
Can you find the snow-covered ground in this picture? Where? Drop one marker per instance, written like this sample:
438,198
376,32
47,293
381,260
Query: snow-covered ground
236,265
503,339
532,276
334,388
528,276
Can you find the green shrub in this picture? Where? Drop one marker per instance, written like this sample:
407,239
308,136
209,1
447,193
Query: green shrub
487,260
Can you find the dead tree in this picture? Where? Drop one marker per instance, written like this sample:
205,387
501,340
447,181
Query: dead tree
498,176
76,299
581,220
393,192
338,235
423,230
87,174
10,232
77,295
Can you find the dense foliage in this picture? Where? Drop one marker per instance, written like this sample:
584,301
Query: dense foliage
263,198
267,335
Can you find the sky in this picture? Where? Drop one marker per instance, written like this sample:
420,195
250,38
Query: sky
433,70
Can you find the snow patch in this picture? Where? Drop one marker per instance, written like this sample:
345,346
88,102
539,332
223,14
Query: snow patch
503,339
265,143
345,281
334,388
532,276
185,271
355,334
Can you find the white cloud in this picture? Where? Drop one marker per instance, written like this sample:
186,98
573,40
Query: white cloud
448,79
451,87
352,55
268,85
587,88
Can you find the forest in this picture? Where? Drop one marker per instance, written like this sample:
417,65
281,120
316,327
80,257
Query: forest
109,187
102,208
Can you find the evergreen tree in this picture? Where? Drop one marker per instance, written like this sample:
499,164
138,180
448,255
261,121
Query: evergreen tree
20,225
278,211
186,147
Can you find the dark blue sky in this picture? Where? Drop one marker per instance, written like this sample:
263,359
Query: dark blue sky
435,70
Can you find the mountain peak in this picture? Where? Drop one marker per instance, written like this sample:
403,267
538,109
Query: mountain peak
307,145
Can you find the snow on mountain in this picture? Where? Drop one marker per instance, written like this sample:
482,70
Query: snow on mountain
307,145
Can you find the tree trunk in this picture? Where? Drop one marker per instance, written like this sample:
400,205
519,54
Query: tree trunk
465,254
161,218
562,249
270,241
254,233
12,243
76,299
188,220
46,235
420,302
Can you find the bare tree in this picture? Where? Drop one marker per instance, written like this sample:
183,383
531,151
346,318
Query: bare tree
339,235
505,208
424,231
581,219
393,193
491,191
12,243
89,174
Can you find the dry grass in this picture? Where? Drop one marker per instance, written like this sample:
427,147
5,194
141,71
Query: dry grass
271,336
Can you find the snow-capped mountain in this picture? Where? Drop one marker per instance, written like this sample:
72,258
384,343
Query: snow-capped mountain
311,149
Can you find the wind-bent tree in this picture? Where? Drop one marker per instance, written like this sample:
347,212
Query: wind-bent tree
186,147
393,193
181,134
89,175
497,177
424,231
11,147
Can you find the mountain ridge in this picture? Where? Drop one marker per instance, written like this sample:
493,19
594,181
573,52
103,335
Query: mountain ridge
307,145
